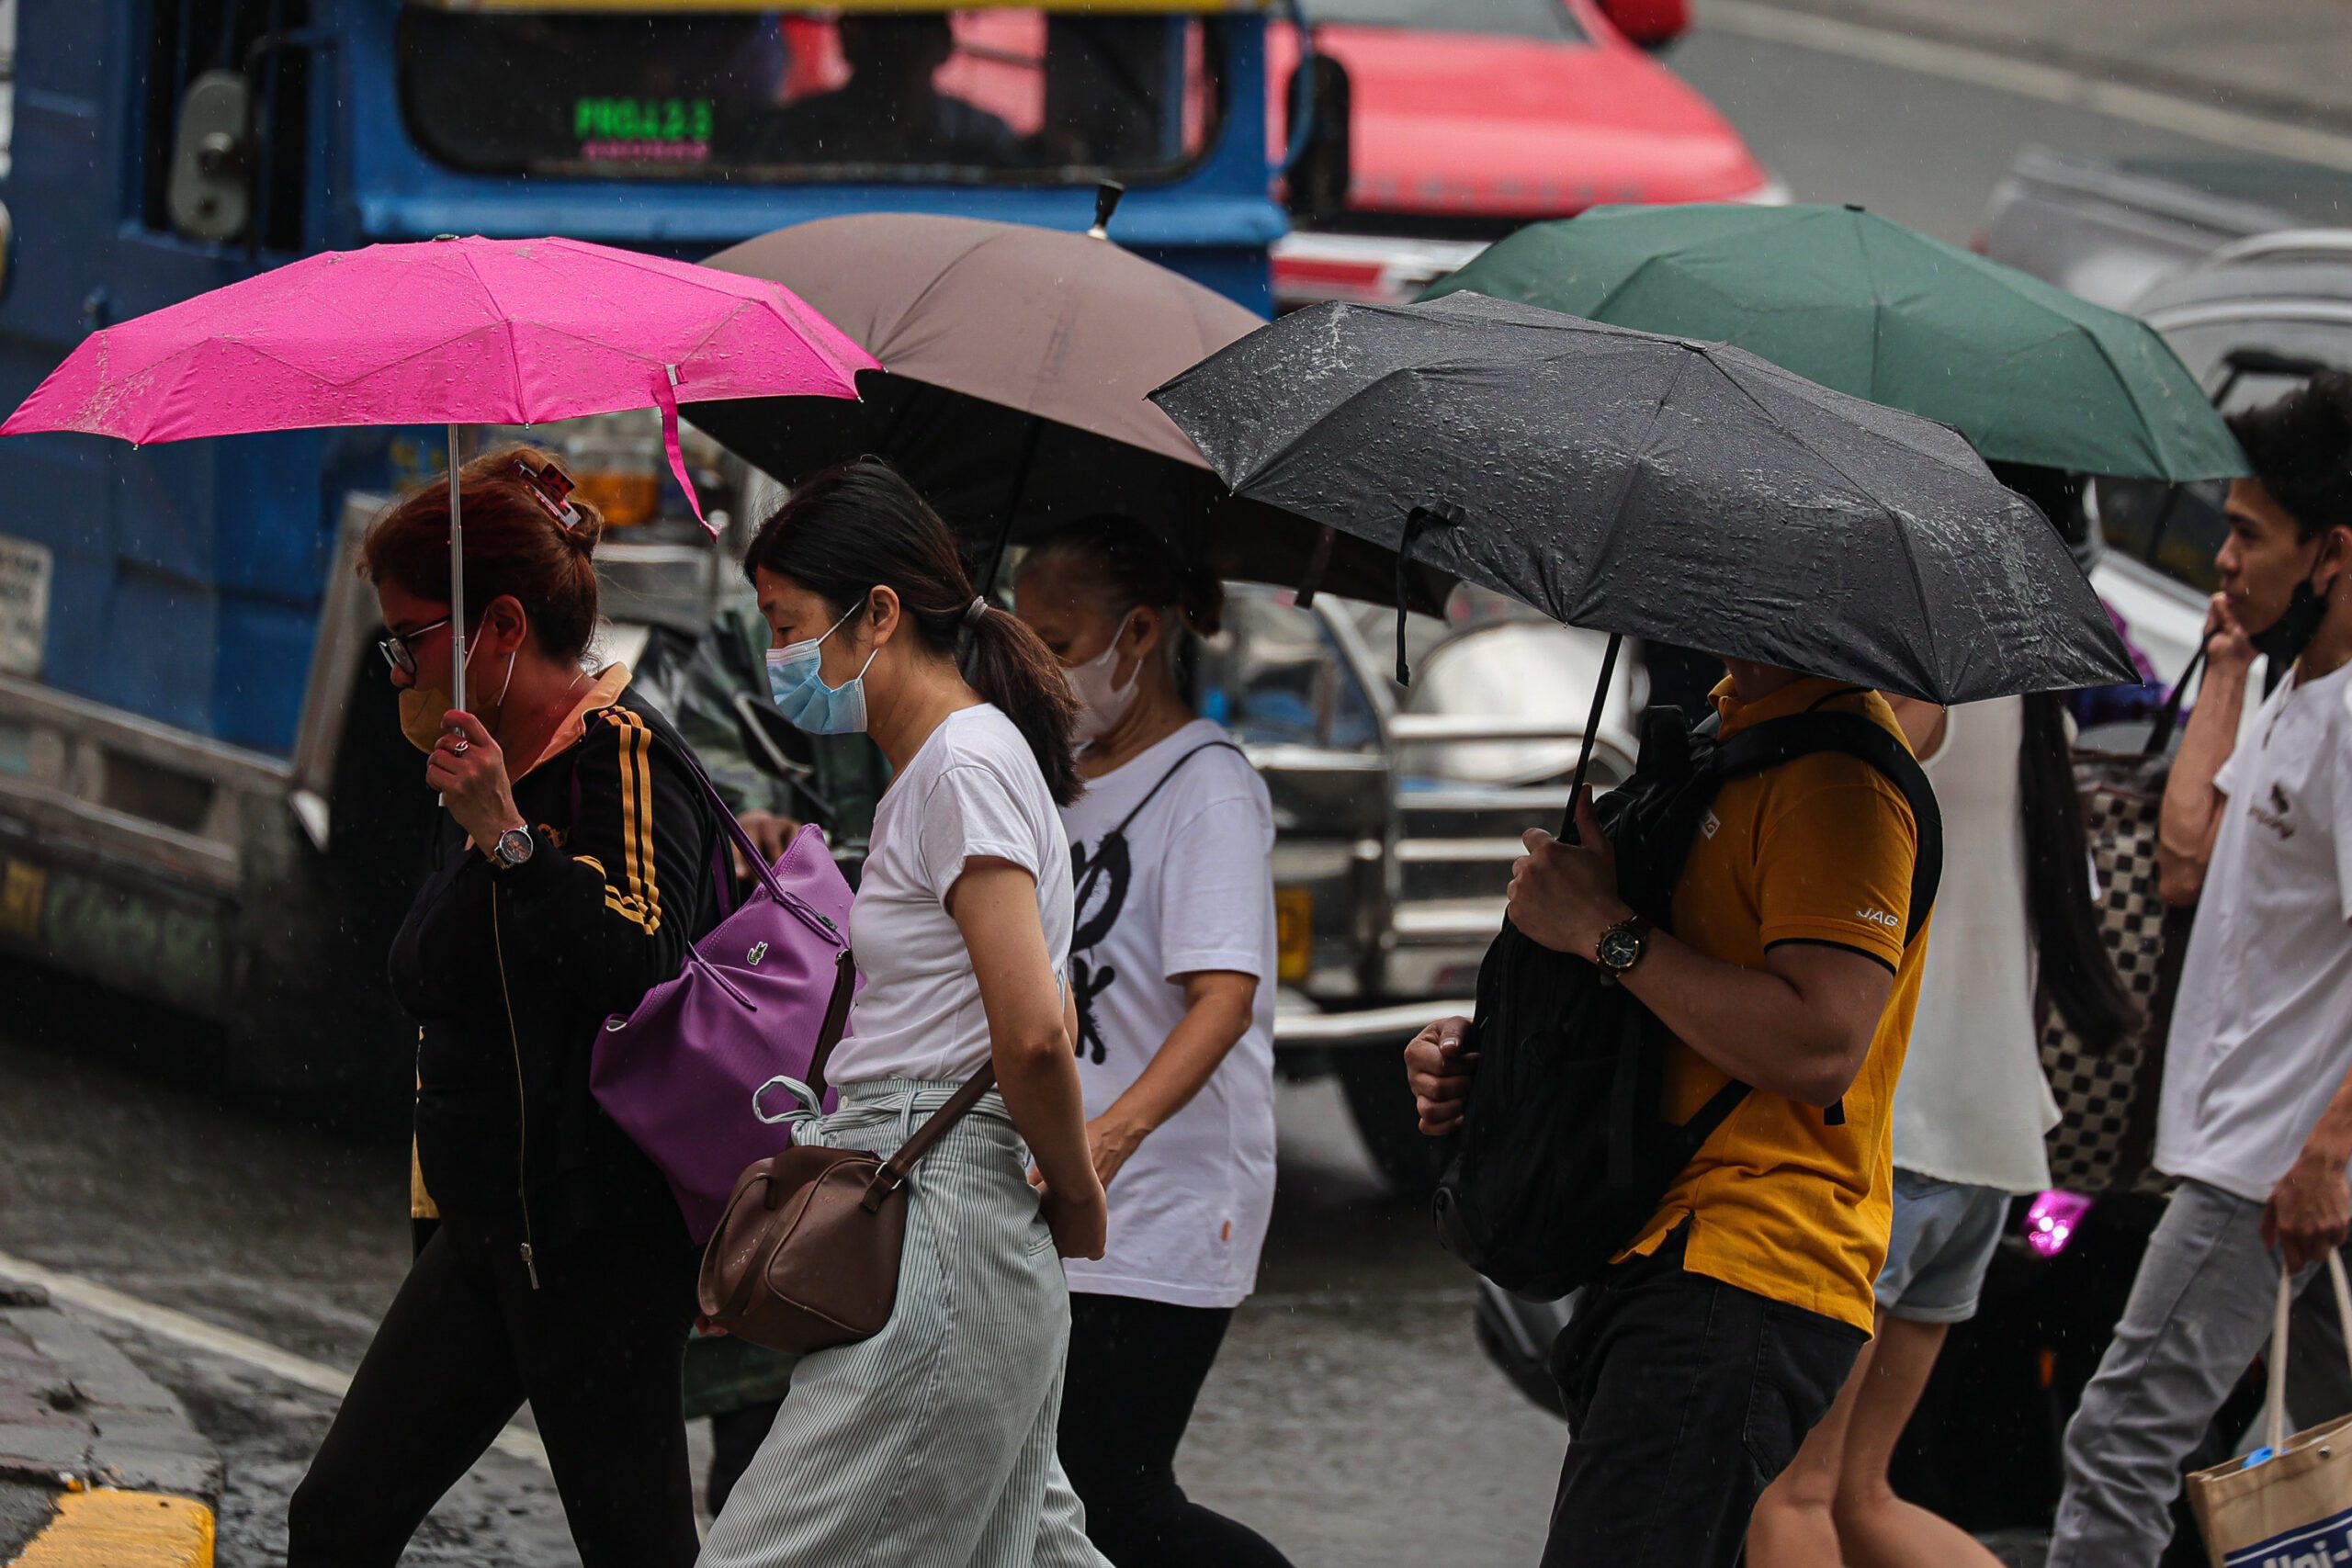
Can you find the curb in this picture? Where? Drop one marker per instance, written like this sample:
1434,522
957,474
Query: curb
133,1481
123,1529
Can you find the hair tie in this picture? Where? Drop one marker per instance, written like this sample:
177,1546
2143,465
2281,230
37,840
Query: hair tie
977,611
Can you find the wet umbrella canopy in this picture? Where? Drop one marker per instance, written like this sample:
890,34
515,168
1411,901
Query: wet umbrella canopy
1019,359
449,330
1654,487
2027,371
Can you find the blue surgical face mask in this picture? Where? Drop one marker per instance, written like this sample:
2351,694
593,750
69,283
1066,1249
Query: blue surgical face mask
797,683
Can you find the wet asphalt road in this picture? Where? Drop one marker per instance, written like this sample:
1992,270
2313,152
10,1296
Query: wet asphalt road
1921,148
1348,1394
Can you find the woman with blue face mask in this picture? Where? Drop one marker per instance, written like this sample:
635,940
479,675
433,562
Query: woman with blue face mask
933,1443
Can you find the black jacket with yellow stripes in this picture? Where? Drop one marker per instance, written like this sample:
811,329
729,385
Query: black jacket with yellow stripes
511,975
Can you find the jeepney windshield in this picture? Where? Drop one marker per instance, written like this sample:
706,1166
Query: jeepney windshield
1001,94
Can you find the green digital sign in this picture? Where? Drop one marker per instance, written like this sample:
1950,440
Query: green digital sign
625,123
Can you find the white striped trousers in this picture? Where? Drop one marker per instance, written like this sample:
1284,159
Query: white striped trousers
932,1444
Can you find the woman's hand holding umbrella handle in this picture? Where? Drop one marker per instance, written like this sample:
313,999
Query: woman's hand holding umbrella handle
467,769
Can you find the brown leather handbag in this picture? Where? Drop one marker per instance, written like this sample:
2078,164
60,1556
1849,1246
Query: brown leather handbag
806,1255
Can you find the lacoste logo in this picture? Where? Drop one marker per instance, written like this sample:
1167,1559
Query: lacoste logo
1712,824
1877,918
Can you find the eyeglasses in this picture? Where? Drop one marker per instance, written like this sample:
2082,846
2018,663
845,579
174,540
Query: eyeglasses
397,651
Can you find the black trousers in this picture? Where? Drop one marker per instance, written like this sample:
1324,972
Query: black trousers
1136,1367
1686,1398
596,1350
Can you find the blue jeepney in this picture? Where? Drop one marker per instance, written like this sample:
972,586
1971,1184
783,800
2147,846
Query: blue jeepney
204,798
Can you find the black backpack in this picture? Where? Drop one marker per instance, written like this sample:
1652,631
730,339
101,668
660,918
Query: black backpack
1562,1155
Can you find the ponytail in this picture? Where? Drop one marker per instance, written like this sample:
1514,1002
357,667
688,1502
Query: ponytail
858,527
2077,971
1010,666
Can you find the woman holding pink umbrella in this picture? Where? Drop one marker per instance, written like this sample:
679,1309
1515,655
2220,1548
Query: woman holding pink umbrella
573,870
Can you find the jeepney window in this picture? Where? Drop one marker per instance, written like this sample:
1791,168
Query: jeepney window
997,93
2178,535
193,46
1516,19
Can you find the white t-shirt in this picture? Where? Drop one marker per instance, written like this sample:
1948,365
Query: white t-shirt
1973,1104
2262,1032
972,790
1191,891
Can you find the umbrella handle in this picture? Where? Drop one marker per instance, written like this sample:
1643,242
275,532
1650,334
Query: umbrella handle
457,582
457,592
1591,732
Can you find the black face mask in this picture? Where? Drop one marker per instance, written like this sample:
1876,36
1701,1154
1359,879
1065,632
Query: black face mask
2283,641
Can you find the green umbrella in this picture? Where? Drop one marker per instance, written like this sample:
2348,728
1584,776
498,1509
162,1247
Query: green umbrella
2026,371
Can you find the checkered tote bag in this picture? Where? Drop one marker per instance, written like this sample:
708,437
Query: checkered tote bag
2107,1102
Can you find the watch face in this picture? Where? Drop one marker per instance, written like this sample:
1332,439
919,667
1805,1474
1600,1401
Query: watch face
1620,948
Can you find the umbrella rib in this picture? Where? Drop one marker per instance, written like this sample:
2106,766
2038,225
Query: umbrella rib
1258,470
1910,557
2130,392
505,322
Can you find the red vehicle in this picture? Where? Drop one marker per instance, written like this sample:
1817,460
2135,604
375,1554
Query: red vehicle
1471,118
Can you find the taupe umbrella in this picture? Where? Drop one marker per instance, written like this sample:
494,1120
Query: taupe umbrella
1016,360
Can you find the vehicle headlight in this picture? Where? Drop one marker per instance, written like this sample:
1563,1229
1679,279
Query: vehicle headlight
1773,192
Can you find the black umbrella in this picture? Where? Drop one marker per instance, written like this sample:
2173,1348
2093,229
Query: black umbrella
1653,487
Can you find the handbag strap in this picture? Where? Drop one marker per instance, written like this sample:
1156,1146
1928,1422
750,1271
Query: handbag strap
2275,1418
719,874
734,830
2160,733
894,1171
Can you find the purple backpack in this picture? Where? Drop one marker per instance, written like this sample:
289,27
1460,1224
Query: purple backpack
758,998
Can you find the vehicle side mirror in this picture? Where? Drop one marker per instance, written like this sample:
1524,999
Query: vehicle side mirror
1318,181
1653,24
210,193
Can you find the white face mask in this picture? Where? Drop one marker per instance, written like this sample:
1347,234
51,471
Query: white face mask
1099,703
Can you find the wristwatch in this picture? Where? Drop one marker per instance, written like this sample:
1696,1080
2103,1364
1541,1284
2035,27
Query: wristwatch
512,848
1620,947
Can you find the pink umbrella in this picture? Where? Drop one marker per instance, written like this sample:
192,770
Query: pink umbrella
449,330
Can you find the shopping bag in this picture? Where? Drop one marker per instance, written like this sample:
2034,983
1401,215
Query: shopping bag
2293,1509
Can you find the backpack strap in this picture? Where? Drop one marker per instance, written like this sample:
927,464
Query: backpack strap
1781,741
1785,740
1204,746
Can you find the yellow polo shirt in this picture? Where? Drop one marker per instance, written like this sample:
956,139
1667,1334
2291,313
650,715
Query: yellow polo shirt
1781,1202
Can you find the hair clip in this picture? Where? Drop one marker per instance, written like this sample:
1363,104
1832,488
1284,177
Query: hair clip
549,486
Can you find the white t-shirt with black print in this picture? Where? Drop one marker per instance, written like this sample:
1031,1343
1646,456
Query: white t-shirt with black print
971,791
1189,889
